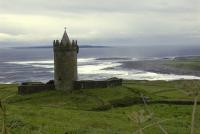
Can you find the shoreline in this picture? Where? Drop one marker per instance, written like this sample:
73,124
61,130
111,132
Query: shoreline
165,65
150,69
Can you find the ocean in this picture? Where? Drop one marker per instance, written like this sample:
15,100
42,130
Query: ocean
36,64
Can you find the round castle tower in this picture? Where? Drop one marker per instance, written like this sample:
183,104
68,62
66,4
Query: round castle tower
65,62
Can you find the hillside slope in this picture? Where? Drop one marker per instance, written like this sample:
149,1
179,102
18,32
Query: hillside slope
99,111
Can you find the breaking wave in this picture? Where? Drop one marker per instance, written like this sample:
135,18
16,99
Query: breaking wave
92,68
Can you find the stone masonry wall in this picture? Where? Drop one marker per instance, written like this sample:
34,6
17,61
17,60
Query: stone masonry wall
97,84
34,88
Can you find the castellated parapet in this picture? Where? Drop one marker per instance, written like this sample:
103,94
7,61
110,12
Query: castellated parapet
65,63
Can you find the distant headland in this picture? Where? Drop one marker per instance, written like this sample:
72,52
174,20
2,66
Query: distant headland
81,46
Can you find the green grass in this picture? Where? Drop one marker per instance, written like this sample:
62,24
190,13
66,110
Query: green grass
191,64
57,112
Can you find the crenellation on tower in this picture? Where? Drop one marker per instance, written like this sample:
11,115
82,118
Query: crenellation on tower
73,44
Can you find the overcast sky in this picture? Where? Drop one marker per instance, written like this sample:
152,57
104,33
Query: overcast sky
101,22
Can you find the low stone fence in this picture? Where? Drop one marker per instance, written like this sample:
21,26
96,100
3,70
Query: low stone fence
97,84
114,82
34,87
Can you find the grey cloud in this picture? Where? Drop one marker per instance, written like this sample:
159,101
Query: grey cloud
45,6
114,22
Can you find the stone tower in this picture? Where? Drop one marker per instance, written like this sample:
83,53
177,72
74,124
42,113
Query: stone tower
65,62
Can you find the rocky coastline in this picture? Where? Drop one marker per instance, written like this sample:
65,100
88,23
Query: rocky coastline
164,66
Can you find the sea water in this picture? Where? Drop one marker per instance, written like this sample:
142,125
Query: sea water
36,64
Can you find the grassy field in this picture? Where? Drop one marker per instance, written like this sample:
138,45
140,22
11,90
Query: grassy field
100,111
191,63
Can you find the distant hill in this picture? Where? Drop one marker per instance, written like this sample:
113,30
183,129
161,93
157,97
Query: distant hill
81,46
